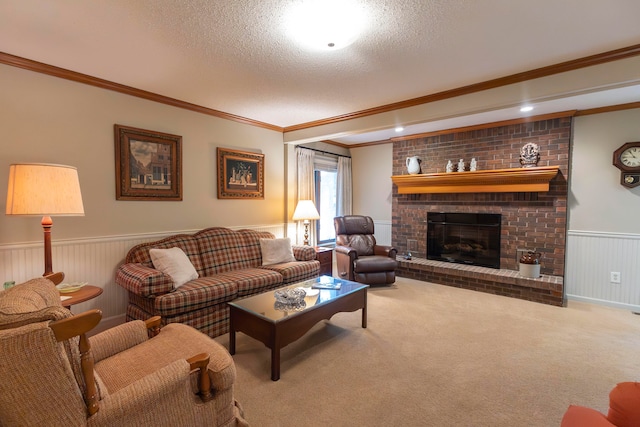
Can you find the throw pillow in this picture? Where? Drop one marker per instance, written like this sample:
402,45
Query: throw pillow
175,263
275,251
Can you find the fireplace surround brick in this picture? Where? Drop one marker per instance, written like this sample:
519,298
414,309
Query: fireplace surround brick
529,220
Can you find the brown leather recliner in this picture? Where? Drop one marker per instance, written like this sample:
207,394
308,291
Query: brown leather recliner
358,256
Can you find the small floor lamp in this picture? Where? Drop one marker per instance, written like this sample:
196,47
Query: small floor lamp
305,211
41,189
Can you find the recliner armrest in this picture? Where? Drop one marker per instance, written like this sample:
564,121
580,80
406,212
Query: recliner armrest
346,250
389,251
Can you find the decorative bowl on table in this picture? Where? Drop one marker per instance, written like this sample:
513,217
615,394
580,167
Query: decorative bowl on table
65,288
290,299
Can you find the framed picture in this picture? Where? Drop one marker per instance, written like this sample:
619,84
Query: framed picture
240,174
148,165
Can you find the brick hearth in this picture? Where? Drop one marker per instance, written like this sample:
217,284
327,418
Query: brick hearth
545,289
529,220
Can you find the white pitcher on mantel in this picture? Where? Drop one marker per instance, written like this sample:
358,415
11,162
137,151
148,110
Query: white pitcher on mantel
413,165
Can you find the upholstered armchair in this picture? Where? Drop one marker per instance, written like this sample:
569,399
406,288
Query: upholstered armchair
51,373
358,257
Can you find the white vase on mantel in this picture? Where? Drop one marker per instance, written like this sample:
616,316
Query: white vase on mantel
413,165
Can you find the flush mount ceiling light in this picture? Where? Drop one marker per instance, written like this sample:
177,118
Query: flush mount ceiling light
399,129
325,24
526,108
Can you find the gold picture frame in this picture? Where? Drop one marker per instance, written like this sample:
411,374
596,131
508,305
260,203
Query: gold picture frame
240,174
148,164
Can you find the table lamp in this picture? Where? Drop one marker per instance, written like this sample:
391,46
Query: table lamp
37,189
305,211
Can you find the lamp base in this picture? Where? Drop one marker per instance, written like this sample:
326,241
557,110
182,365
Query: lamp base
306,233
47,223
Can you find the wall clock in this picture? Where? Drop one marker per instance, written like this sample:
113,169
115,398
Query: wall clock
627,159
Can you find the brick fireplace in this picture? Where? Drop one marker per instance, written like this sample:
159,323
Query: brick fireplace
531,220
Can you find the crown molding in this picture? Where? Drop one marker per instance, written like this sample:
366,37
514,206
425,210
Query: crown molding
39,67
588,61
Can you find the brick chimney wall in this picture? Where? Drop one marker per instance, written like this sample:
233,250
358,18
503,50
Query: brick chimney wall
529,220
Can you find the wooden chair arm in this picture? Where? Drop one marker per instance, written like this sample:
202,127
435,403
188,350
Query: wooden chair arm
79,324
201,362
70,327
153,324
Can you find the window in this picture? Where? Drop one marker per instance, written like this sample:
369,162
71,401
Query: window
325,174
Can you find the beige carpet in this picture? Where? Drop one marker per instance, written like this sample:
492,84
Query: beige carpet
434,355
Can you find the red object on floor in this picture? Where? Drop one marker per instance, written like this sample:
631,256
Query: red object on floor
624,410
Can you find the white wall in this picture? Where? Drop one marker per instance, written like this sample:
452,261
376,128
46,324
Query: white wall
597,201
603,231
51,120
372,187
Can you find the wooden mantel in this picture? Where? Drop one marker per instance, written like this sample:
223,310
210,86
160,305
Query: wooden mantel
517,180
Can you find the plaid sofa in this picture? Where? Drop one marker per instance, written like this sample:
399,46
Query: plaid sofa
229,264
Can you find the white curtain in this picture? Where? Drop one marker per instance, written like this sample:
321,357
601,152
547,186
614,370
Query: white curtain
306,190
344,190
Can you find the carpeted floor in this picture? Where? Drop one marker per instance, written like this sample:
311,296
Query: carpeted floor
435,355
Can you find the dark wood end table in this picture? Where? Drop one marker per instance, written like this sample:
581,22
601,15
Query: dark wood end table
325,256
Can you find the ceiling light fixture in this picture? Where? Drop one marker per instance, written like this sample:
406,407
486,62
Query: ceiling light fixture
526,109
399,129
325,24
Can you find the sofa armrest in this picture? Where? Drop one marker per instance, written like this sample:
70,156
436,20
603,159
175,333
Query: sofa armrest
303,253
142,280
389,251
118,339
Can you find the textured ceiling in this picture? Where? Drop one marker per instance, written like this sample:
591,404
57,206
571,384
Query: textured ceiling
235,56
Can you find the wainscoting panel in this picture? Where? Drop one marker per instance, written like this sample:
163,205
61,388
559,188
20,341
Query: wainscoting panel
93,260
382,232
591,257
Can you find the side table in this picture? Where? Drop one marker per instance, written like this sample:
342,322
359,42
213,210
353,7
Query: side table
81,295
325,256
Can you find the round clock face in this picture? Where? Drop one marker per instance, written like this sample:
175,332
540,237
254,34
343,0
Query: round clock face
631,157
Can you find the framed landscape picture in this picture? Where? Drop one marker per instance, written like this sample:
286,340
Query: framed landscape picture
148,164
240,174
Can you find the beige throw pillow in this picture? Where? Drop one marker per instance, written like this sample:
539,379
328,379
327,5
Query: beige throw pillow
275,251
175,263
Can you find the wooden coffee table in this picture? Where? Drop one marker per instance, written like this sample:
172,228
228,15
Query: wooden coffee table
258,317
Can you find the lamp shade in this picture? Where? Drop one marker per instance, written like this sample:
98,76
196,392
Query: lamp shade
305,210
41,189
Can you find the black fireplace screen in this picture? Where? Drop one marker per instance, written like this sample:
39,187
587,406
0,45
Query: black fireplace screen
466,238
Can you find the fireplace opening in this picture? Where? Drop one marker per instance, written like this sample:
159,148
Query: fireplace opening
465,238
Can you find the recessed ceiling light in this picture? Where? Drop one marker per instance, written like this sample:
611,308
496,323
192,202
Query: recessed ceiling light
399,129
325,24
526,108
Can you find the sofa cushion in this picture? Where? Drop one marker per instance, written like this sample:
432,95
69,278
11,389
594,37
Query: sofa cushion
222,250
175,263
298,271
252,280
275,251
140,253
196,294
